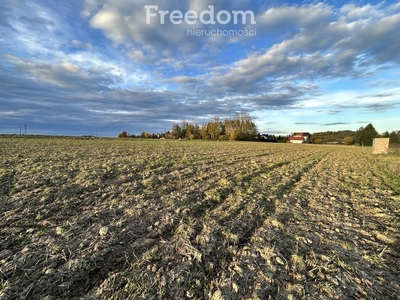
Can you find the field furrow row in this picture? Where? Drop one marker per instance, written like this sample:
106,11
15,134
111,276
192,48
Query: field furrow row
145,219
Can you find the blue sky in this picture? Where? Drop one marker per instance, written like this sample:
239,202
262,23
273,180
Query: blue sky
81,67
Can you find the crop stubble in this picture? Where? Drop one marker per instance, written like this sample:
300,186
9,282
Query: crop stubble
131,219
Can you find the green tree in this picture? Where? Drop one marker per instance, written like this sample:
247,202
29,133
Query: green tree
184,128
394,137
358,135
366,135
176,131
318,141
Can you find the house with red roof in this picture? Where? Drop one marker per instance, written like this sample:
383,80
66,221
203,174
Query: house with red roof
300,137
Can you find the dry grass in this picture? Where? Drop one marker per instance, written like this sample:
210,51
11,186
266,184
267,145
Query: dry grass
135,219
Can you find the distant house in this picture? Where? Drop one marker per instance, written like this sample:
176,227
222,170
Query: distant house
300,137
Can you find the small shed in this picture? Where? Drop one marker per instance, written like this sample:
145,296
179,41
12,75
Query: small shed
380,146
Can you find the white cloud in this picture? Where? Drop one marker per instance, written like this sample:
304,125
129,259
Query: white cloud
288,17
333,49
67,66
383,82
112,22
351,12
125,23
85,46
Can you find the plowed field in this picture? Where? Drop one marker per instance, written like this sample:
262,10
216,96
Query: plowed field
161,219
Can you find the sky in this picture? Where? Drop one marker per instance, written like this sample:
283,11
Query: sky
106,66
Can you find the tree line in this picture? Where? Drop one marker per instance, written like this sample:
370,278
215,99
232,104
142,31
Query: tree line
240,128
363,136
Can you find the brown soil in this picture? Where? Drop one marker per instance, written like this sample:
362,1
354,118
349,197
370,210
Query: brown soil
135,219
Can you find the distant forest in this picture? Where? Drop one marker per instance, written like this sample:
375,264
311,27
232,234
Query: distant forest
242,128
363,136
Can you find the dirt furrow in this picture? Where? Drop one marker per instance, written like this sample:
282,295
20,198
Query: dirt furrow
196,212
130,219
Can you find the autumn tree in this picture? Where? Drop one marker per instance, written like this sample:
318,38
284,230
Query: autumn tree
213,128
204,132
123,134
240,128
348,140
144,135
193,131
230,130
245,129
